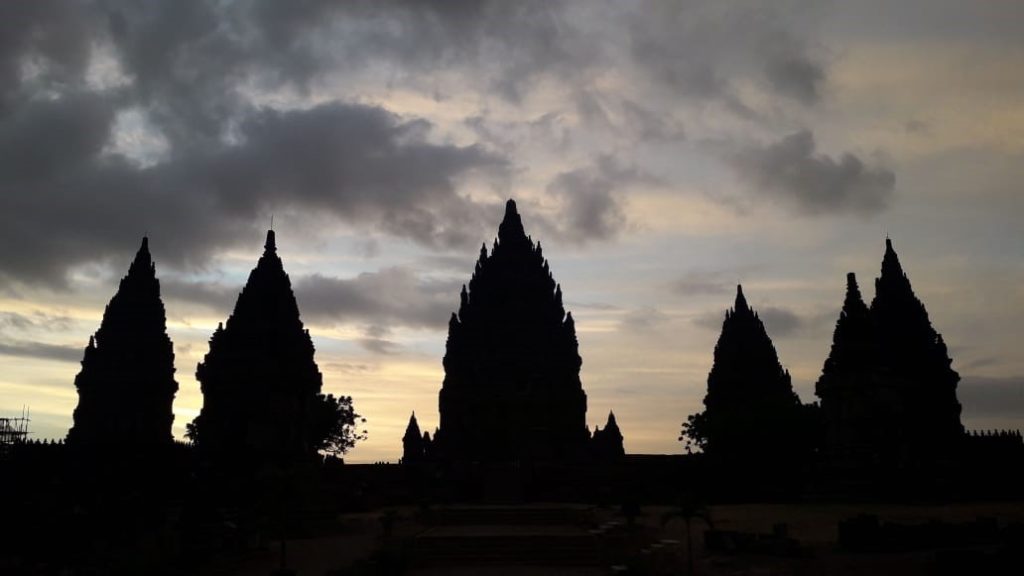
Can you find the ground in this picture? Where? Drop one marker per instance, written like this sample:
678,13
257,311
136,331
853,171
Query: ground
358,536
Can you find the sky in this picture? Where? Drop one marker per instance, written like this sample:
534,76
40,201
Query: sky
662,152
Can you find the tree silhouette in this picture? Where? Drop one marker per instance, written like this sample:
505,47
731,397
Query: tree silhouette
335,430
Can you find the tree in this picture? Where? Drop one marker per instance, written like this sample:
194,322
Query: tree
334,425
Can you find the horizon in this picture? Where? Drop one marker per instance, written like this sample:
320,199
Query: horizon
662,153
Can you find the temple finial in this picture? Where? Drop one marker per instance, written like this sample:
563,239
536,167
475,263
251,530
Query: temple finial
511,227
741,301
143,261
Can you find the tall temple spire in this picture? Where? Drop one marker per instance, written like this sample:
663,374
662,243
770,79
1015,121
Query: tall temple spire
126,386
512,389
855,430
142,265
511,228
893,277
741,301
914,364
413,443
259,380
607,443
751,410
271,243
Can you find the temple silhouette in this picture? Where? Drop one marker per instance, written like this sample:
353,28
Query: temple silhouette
512,389
126,386
512,474
259,380
888,393
751,413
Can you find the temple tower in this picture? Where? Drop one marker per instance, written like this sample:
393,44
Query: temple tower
751,412
126,386
915,376
607,443
259,379
414,444
857,423
512,388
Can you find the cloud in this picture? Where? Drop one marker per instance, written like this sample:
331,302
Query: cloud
213,295
706,50
380,300
592,199
701,283
812,183
359,164
26,349
379,346
644,319
988,397
780,322
649,126
232,97
710,320
796,76
37,320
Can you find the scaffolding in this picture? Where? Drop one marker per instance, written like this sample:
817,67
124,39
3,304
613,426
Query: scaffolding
13,431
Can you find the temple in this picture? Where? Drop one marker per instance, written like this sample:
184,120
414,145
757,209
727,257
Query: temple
887,388
512,388
751,412
126,387
259,379
415,446
606,444
856,425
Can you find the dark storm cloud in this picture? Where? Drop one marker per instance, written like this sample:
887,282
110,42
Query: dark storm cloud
358,163
506,44
65,199
47,40
191,70
380,300
985,396
813,183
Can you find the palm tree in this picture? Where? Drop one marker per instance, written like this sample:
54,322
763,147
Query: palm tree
689,508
